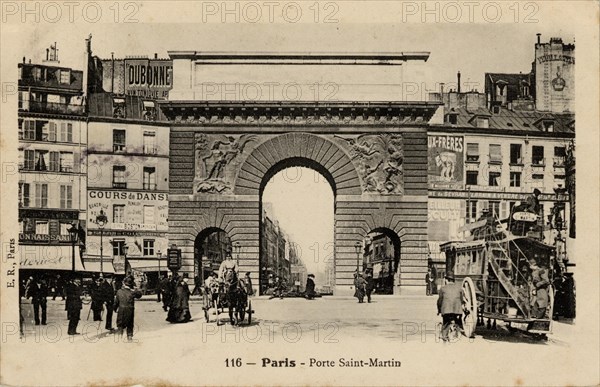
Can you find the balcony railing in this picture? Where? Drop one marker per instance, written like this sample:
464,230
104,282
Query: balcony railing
52,107
538,162
559,161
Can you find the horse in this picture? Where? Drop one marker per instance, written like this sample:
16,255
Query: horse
234,293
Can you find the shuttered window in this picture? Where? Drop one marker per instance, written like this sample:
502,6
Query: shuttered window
495,153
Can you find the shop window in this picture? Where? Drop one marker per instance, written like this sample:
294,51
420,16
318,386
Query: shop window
472,177
515,154
495,153
66,196
472,152
537,155
149,178
515,179
64,228
41,227
119,176
41,195
118,213
148,247
494,208
119,140
494,179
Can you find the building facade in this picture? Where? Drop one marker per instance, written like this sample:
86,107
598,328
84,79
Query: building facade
128,179
52,166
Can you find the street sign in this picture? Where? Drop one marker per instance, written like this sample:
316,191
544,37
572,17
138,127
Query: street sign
524,216
174,259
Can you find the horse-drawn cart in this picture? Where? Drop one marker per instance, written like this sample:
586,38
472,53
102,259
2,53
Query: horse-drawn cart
230,295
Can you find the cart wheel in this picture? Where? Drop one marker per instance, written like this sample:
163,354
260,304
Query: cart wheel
249,312
470,308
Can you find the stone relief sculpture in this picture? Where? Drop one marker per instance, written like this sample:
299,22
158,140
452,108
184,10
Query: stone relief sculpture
214,156
378,158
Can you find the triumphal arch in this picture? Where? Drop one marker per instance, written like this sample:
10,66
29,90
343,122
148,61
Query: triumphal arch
226,143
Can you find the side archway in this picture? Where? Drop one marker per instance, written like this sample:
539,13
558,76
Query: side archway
210,247
382,252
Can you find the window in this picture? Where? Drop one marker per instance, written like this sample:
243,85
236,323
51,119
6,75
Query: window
52,131
494,179
511,205
549,126
40,160
118,245
66,196
515,179
64,228
119,176
66,162
41,195
471,209
560,154
483,122
148,247
149,142
149,178
472,152
66,132
495,153
537,176
148,214
24,195
41,227
537,155
118,213
29,130
54,164
494,207
472,177
29,160
65,77
515,154
119,140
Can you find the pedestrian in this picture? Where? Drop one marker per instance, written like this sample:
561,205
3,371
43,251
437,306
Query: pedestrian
165,290
179,310
370,285
197,286
107,296
248,283
450,305
124,305
309,291
97,301
532,202
428,283
58,288
539,283
360,287
73,305
38,291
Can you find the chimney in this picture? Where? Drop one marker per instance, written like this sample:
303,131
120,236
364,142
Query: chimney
442,89
23,59
155,55
458,76
538,38
47,52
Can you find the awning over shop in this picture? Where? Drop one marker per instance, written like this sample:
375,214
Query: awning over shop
94,267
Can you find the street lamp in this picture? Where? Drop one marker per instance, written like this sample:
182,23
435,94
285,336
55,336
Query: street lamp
73,232
357,248
101,221
125,248
159,257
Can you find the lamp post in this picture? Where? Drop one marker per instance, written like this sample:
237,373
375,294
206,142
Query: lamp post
159,257
73,231
101,221
125,248
357,248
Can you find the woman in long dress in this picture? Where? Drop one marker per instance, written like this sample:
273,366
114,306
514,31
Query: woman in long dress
360,286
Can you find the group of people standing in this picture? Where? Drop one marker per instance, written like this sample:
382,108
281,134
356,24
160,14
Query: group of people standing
363,285
174,292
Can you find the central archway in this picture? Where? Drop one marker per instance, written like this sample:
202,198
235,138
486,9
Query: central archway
296,225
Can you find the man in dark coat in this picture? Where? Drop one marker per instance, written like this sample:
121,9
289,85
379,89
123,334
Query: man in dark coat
165,288
450,305
248,283
107,296
74,305
533,202
179,311
360,287
124,305
58,288
309,292
370,284
97,301
38,291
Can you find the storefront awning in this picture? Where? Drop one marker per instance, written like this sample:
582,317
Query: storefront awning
94,267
